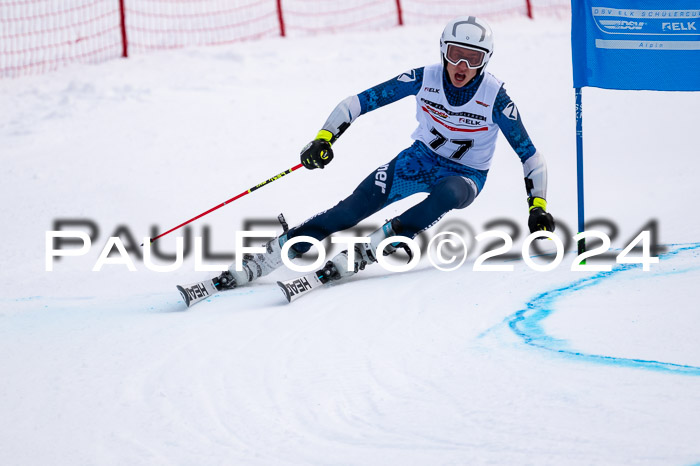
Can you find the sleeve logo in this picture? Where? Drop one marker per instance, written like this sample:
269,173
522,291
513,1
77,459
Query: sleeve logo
511,111
407,77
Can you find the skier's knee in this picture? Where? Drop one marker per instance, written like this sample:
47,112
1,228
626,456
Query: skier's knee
454,192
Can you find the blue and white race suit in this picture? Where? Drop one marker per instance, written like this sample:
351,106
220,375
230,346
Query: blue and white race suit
454,145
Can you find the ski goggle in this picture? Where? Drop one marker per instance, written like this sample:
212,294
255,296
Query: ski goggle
474,58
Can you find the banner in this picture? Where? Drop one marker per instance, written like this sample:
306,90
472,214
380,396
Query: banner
636,44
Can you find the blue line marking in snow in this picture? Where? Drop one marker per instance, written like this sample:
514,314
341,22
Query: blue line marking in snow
526,323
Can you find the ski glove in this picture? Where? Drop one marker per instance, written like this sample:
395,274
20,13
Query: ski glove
539,219
318,153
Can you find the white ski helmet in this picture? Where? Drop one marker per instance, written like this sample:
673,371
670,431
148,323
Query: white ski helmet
467,39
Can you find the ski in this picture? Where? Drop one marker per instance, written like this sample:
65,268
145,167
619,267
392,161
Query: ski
196,292
297,287
293,289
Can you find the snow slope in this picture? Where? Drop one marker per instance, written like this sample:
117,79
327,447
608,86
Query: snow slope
423,367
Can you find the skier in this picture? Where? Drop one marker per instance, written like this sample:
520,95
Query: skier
460,108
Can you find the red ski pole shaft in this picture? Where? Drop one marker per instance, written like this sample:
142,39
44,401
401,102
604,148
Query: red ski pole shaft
257,186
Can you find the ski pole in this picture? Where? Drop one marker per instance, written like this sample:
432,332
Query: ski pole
270,180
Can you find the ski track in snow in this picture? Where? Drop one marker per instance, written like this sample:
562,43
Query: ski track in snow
343,408
525,323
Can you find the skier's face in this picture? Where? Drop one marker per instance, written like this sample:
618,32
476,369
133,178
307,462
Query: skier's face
460,74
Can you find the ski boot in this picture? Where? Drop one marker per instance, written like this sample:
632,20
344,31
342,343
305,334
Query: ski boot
366,253
258,265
